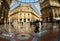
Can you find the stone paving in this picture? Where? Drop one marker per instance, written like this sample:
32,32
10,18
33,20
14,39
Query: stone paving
41,36
49,37
30,39
58,37
3,39
37,35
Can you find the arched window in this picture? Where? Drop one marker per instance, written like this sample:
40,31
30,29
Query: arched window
24,20
20,20
28,19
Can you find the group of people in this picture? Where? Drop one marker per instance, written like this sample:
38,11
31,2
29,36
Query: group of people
36,24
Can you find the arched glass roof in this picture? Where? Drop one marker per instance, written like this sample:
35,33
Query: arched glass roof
33,3
29,1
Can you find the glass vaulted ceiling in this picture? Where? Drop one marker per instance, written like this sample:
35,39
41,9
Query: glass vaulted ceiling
28,1
36,6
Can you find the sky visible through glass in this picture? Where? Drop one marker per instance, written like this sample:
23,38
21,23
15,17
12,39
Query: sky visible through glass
28,0
36,7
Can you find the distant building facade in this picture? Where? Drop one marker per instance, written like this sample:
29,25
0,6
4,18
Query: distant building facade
50,9
22,16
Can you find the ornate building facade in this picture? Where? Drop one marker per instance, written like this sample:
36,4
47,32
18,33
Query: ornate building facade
22,16
50,9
